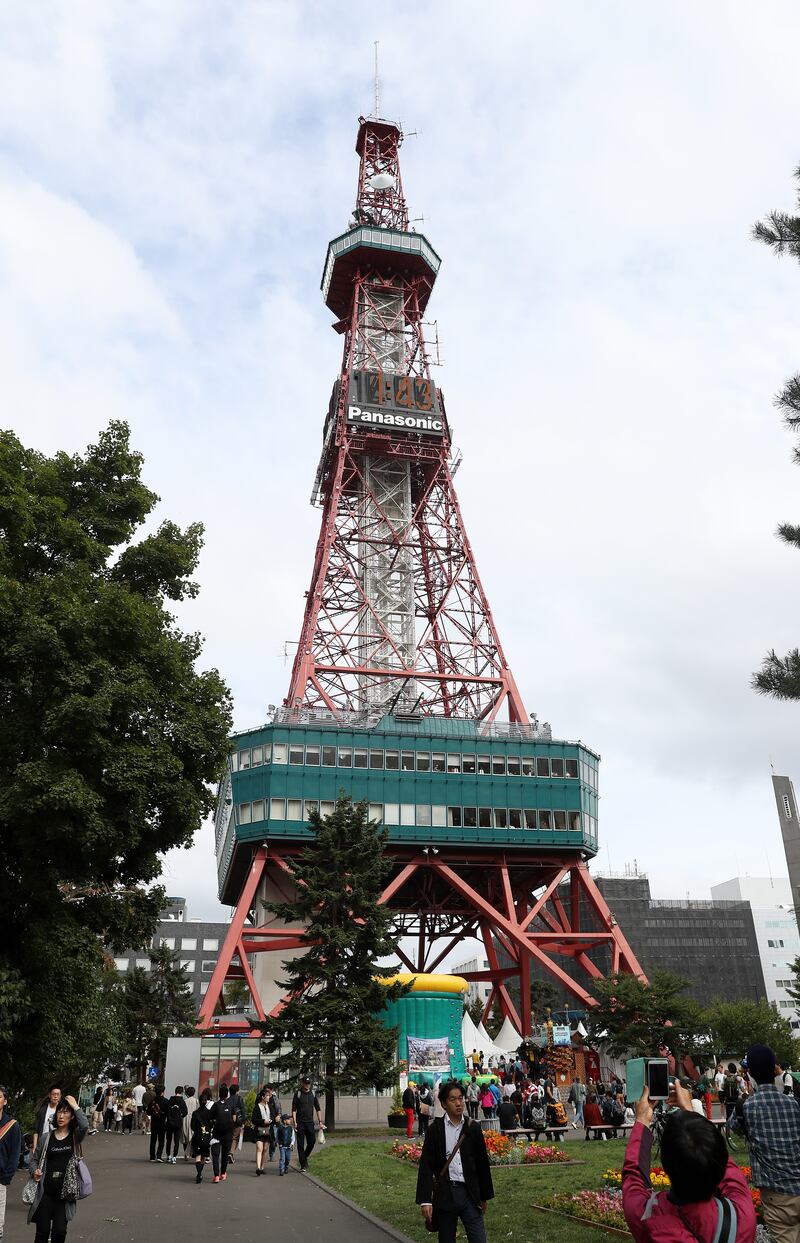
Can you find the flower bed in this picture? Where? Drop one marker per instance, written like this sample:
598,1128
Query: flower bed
501,1149
660,1181
599,1208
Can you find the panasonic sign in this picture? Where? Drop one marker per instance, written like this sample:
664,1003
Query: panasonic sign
430,424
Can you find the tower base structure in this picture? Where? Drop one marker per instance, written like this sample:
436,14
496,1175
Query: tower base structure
491,828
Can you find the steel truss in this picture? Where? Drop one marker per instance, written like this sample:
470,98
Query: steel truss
526,908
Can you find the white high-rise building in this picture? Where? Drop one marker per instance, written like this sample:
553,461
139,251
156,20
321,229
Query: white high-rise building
776,932
479,990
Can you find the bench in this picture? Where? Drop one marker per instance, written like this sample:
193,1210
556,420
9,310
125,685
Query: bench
533,1132
607,1126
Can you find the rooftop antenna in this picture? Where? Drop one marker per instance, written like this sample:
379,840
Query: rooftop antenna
376,114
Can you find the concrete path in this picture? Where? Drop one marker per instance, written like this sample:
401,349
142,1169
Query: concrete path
136,1202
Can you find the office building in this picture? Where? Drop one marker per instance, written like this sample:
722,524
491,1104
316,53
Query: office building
775,924
195,943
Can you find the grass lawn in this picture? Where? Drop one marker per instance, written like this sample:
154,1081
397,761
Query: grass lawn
367,1175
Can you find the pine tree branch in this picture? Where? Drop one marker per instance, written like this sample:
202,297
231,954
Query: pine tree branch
779,676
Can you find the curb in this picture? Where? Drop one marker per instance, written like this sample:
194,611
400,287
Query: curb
357,1208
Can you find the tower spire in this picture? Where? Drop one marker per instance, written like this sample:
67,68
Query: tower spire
377,112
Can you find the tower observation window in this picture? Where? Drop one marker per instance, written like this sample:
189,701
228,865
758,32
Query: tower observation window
453,762
296,754
468,765
407,761
542,766
557,767
393,760
484,765
571,768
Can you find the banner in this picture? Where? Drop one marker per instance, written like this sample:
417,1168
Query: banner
561,1034
428,1055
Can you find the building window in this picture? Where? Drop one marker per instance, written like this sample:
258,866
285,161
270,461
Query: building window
423,815
453,762
545,821
391,813
376,812
328,757
571,768
210,943
360,757
407,813
437,762
258,756
326,809
439,817
144,963
311,806
204,987
279,750
560,820
376,759
787,807
407,761
245,811
393,761
556,767
470,817
542,766
277,809
258,809
512,765
312,755
527,765
189,943
244,759
515,818
498,765
345,757
484,765
423,761
187,965
168,942
468,765
484,817
530,818
294,809
500,818
208,965
454,817
295,753
121,964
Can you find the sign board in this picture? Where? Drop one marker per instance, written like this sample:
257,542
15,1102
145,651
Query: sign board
152,1072
561,1034
428,1055
387,402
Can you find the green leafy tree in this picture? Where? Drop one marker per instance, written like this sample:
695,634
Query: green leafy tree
794,988
331,1018
474,1008
636,1018
779,676
733,1025
495,1019
110,739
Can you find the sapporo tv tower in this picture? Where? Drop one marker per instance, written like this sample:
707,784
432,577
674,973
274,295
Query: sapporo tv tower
399,679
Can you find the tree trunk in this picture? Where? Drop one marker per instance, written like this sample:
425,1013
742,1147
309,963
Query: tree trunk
330,1096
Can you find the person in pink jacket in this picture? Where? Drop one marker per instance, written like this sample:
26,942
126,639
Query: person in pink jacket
708,1198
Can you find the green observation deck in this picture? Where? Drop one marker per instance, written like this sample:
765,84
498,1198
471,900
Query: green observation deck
429,780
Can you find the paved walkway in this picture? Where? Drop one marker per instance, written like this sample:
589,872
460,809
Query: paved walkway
136,1202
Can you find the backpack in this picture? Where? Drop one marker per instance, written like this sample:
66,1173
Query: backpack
730,1089
223,1117
174,1115
537,1114
617,1113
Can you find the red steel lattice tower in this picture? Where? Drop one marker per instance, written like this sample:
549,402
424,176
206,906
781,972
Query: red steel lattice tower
396,615
491,822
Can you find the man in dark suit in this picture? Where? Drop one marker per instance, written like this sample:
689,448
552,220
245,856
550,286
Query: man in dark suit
467,1184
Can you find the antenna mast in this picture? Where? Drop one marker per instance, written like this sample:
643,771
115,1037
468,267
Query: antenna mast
376,113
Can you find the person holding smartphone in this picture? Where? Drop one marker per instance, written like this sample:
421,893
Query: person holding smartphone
50,1211
708,1198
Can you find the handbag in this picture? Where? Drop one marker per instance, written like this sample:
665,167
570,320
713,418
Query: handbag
77,1179
424,1109
31,1186
432,1222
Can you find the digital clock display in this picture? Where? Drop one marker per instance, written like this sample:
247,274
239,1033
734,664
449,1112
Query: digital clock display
406,403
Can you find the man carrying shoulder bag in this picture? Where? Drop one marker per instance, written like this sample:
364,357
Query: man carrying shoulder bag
454,1179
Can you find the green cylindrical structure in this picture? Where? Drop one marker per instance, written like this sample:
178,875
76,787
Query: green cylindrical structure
431,1010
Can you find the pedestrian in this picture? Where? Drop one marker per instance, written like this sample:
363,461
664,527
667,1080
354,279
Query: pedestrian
262,1123
51,1208
186,1129
507,1115
706,1084
202,1123
577,1096
138,1100
157,1114
46,1114
409,1106
128,1115
772,1125
109,1108
305,1105
487,1101
284,1133
10,1145
147,1101
706,1187
175,1113
274,1106
96,1111
473,1096
223,1134
237,1106
454,1157
424,1108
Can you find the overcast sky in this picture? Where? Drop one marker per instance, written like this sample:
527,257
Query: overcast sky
170,175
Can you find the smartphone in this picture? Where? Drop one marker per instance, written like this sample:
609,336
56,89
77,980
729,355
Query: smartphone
657,1078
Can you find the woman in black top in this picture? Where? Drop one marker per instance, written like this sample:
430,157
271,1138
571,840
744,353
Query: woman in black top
54,1150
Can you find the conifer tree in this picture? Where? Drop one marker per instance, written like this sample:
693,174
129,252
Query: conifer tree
330,1023
780,675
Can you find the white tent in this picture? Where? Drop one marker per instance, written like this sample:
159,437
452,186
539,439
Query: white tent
508,1038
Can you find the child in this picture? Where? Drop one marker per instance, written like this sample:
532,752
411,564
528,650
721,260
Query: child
284,1133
